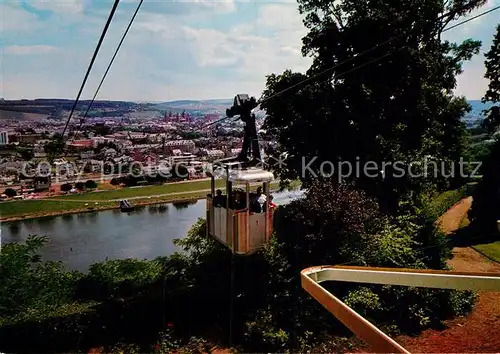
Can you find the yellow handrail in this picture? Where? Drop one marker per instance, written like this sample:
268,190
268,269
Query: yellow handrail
362,328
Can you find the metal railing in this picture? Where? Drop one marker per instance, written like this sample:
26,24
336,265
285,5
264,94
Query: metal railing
362,328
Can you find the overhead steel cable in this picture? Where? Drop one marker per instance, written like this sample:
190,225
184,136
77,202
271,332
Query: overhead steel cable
89,69
392,52
109,66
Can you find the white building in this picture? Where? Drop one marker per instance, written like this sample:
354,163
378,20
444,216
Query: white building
183,145
4,138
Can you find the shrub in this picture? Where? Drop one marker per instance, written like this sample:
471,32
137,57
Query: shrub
30,285
90,184
66,187
434,206
179,171
80,186
114,182
120,278
336,224
11,193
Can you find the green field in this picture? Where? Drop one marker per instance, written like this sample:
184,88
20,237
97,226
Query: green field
148,194
130,192
28,207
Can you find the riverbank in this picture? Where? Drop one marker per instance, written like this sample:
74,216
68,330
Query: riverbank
78,209
97,201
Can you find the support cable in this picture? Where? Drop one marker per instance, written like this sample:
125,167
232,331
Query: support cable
89,69
109,67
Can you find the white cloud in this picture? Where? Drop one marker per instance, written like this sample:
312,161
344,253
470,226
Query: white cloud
283,16
166,55
60,6
29,49
219,5
15,19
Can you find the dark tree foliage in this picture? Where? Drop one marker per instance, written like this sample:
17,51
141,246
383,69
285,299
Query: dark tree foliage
398,108
492,64
80,186
90,184
179,170
66,187
485,210
130,180
25,153
11,193
335,224
101,129
54,148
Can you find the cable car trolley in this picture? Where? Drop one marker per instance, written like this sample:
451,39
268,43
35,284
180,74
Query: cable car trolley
242,218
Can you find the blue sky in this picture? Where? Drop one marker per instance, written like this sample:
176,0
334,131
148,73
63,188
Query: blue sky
176,49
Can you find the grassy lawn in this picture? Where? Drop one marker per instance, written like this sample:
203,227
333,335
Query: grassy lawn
27,207
490,250
143,191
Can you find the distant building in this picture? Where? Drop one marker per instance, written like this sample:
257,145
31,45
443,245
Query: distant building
184,159
28,138
82,144
4,138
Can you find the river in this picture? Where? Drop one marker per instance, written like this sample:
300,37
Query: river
82,239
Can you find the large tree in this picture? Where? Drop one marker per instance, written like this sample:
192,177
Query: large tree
380,89
492,95
485,209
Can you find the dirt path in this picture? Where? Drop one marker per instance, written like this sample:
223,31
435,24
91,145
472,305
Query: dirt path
479,331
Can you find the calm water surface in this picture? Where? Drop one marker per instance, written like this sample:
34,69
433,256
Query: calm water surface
82,239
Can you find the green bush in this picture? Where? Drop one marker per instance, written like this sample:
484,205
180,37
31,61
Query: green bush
335,224
120,278
436,205
68,311
11,193
66,187
30,285
90,184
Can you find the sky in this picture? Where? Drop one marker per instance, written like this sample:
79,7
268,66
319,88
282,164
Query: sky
176,49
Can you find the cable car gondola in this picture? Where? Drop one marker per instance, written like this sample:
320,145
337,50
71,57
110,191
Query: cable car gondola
229,220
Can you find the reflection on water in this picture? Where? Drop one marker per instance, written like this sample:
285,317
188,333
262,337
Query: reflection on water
147,232
184,204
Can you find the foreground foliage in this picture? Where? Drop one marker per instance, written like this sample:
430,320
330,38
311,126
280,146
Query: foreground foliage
170,303
335,224
485,209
